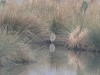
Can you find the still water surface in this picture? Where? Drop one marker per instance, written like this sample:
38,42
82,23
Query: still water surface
59,62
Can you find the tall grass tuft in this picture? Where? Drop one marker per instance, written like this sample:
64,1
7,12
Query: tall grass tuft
13,51
23,22
57,26
78,37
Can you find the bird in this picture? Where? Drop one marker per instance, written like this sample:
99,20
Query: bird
52,37
84,6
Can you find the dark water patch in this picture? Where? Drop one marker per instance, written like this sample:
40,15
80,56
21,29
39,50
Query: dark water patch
59,62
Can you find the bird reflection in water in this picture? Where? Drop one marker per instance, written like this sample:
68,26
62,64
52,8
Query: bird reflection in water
52,39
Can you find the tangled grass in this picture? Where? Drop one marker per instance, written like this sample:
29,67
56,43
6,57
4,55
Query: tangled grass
78,38
14,51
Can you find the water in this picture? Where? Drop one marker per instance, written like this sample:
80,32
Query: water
59,62
52,47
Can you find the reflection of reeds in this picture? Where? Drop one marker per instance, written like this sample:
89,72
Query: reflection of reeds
73,59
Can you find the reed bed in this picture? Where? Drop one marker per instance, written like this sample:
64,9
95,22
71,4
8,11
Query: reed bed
36,20
13,51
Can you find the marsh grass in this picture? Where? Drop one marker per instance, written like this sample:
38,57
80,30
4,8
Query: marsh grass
95,36
77,38
14,51
57,26
23,22
36,20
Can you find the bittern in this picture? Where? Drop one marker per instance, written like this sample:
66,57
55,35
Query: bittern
84,6
52,37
